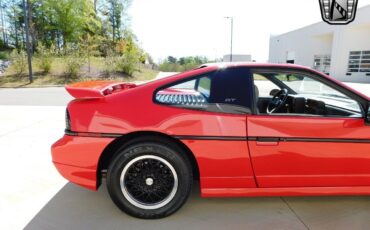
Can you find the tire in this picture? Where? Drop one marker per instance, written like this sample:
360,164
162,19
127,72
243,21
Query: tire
149,180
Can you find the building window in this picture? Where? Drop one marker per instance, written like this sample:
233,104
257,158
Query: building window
322,63
359,61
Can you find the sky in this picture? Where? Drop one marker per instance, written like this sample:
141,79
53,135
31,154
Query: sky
199,27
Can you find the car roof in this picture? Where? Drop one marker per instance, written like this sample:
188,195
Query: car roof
204,68
219,65
252,64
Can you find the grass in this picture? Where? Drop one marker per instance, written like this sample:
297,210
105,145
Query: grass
56,77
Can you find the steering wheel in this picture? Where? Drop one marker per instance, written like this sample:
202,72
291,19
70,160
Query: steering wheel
277,101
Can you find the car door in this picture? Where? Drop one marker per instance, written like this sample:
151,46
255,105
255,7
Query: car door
304,149
207,113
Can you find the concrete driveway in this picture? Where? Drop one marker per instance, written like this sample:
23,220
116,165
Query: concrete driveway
28,179
34,196
76,208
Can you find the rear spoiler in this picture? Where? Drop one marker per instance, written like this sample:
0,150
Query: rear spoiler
97,89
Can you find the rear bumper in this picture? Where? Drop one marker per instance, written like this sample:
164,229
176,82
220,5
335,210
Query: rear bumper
77,158
80,176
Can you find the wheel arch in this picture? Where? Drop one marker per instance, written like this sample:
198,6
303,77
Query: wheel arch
125,140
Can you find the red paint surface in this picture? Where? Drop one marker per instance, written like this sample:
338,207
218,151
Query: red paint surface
76,158
292,164
227,168
96,89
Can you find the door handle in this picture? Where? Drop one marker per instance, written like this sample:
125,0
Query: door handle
267,141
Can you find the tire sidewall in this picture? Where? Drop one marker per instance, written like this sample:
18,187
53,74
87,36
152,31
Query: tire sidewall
173,157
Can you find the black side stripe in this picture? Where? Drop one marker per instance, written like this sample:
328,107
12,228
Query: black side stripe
335,140
273,139
213,138
308,139
229,138
92,134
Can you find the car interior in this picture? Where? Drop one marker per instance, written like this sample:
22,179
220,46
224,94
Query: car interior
290,94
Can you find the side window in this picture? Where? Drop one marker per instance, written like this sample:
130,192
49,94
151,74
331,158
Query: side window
225,91
264,86
187,94
204,86
306,95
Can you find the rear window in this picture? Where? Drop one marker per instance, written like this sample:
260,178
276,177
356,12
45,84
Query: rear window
226,90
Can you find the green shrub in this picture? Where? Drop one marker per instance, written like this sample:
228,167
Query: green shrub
4,55
171,67
132,55
73,64
127,64
19,62
110,63
45,58
45,64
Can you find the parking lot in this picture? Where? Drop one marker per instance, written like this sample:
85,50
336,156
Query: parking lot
34,196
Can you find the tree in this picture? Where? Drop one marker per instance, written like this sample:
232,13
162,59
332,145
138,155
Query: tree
2,9
149,58
115,12
171,59
96,6
45,57
26,11
89,48
182,64
69,19
79,29
14,15
131,56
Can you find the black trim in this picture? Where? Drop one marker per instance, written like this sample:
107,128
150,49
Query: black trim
213,138
70,133
335,140
216,108
92,134
229,138
307,139
267,139
110,135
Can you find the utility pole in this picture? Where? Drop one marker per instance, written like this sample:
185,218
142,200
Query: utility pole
231,39
2,21
28,45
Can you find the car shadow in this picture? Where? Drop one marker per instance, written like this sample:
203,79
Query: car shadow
77,208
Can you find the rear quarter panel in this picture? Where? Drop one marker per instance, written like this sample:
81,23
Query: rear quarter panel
222,164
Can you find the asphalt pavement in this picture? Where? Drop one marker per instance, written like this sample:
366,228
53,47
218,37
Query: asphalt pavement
34,196
49,96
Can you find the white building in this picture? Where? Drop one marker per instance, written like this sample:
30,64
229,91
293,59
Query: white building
238,58
341,51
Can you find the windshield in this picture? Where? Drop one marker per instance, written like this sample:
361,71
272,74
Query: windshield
305,85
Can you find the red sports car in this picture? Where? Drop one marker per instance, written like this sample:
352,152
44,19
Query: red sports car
241,129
